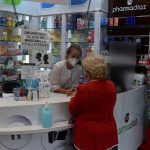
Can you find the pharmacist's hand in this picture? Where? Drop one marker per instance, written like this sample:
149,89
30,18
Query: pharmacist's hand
71,92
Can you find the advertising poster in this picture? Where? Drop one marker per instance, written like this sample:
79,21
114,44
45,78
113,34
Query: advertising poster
42,59
34,40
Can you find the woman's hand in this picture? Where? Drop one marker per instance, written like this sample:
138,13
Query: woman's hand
73,94
71,120
68,92
74,90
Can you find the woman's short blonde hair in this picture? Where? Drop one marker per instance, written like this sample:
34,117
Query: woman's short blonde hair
95,67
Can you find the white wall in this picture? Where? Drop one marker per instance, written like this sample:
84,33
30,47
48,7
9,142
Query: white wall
96,5
104,5
34,9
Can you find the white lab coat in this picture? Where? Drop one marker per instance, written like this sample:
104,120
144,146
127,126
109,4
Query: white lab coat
62,77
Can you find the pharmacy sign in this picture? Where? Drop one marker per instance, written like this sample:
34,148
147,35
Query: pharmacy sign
130,7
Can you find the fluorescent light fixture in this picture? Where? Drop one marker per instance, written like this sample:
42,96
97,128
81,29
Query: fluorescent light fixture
59,2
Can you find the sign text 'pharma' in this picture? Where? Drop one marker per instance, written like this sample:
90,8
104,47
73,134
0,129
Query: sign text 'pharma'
129,8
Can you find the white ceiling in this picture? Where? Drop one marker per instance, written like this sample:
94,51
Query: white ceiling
60,2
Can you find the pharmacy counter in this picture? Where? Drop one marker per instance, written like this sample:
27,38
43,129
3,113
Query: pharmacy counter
20,127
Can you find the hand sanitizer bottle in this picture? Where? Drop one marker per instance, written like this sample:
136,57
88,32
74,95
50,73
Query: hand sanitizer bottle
46,116
29,95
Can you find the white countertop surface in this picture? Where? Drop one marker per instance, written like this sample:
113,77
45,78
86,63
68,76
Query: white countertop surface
54,98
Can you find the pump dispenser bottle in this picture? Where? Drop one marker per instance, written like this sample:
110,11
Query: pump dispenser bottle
46,116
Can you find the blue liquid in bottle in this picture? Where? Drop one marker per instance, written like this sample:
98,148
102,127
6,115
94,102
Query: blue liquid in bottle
46,116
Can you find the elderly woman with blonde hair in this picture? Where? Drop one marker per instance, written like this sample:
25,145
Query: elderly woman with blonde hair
92,108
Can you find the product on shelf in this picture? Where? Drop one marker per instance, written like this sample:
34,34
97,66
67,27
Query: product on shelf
116,22
16,93
56,50
9,21
131,20
81,36
111,22
3,21
44,23
86,23
104,22
55,36
3,49
27,52
91,21
7,35
69,22
90,37
44,89
56,22
80,21
6,51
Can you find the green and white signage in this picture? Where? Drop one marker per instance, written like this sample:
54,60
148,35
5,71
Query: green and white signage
10,2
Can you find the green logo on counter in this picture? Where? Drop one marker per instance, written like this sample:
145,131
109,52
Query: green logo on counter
128,125
10,2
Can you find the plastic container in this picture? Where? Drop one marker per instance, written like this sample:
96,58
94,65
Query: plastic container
35,95
29,95
16,93
46,116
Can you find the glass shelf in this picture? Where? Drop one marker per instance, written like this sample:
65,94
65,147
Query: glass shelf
54,42
15,68
50,29
80,42
10,41
13,55
5,81
128,36
129,26
53,28
143,65
1,26
92,28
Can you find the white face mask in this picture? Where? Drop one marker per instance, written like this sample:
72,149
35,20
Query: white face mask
72,61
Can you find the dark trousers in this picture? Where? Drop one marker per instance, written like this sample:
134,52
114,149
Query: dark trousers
115,148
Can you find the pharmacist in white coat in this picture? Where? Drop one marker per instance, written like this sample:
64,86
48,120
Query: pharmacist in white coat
66,74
